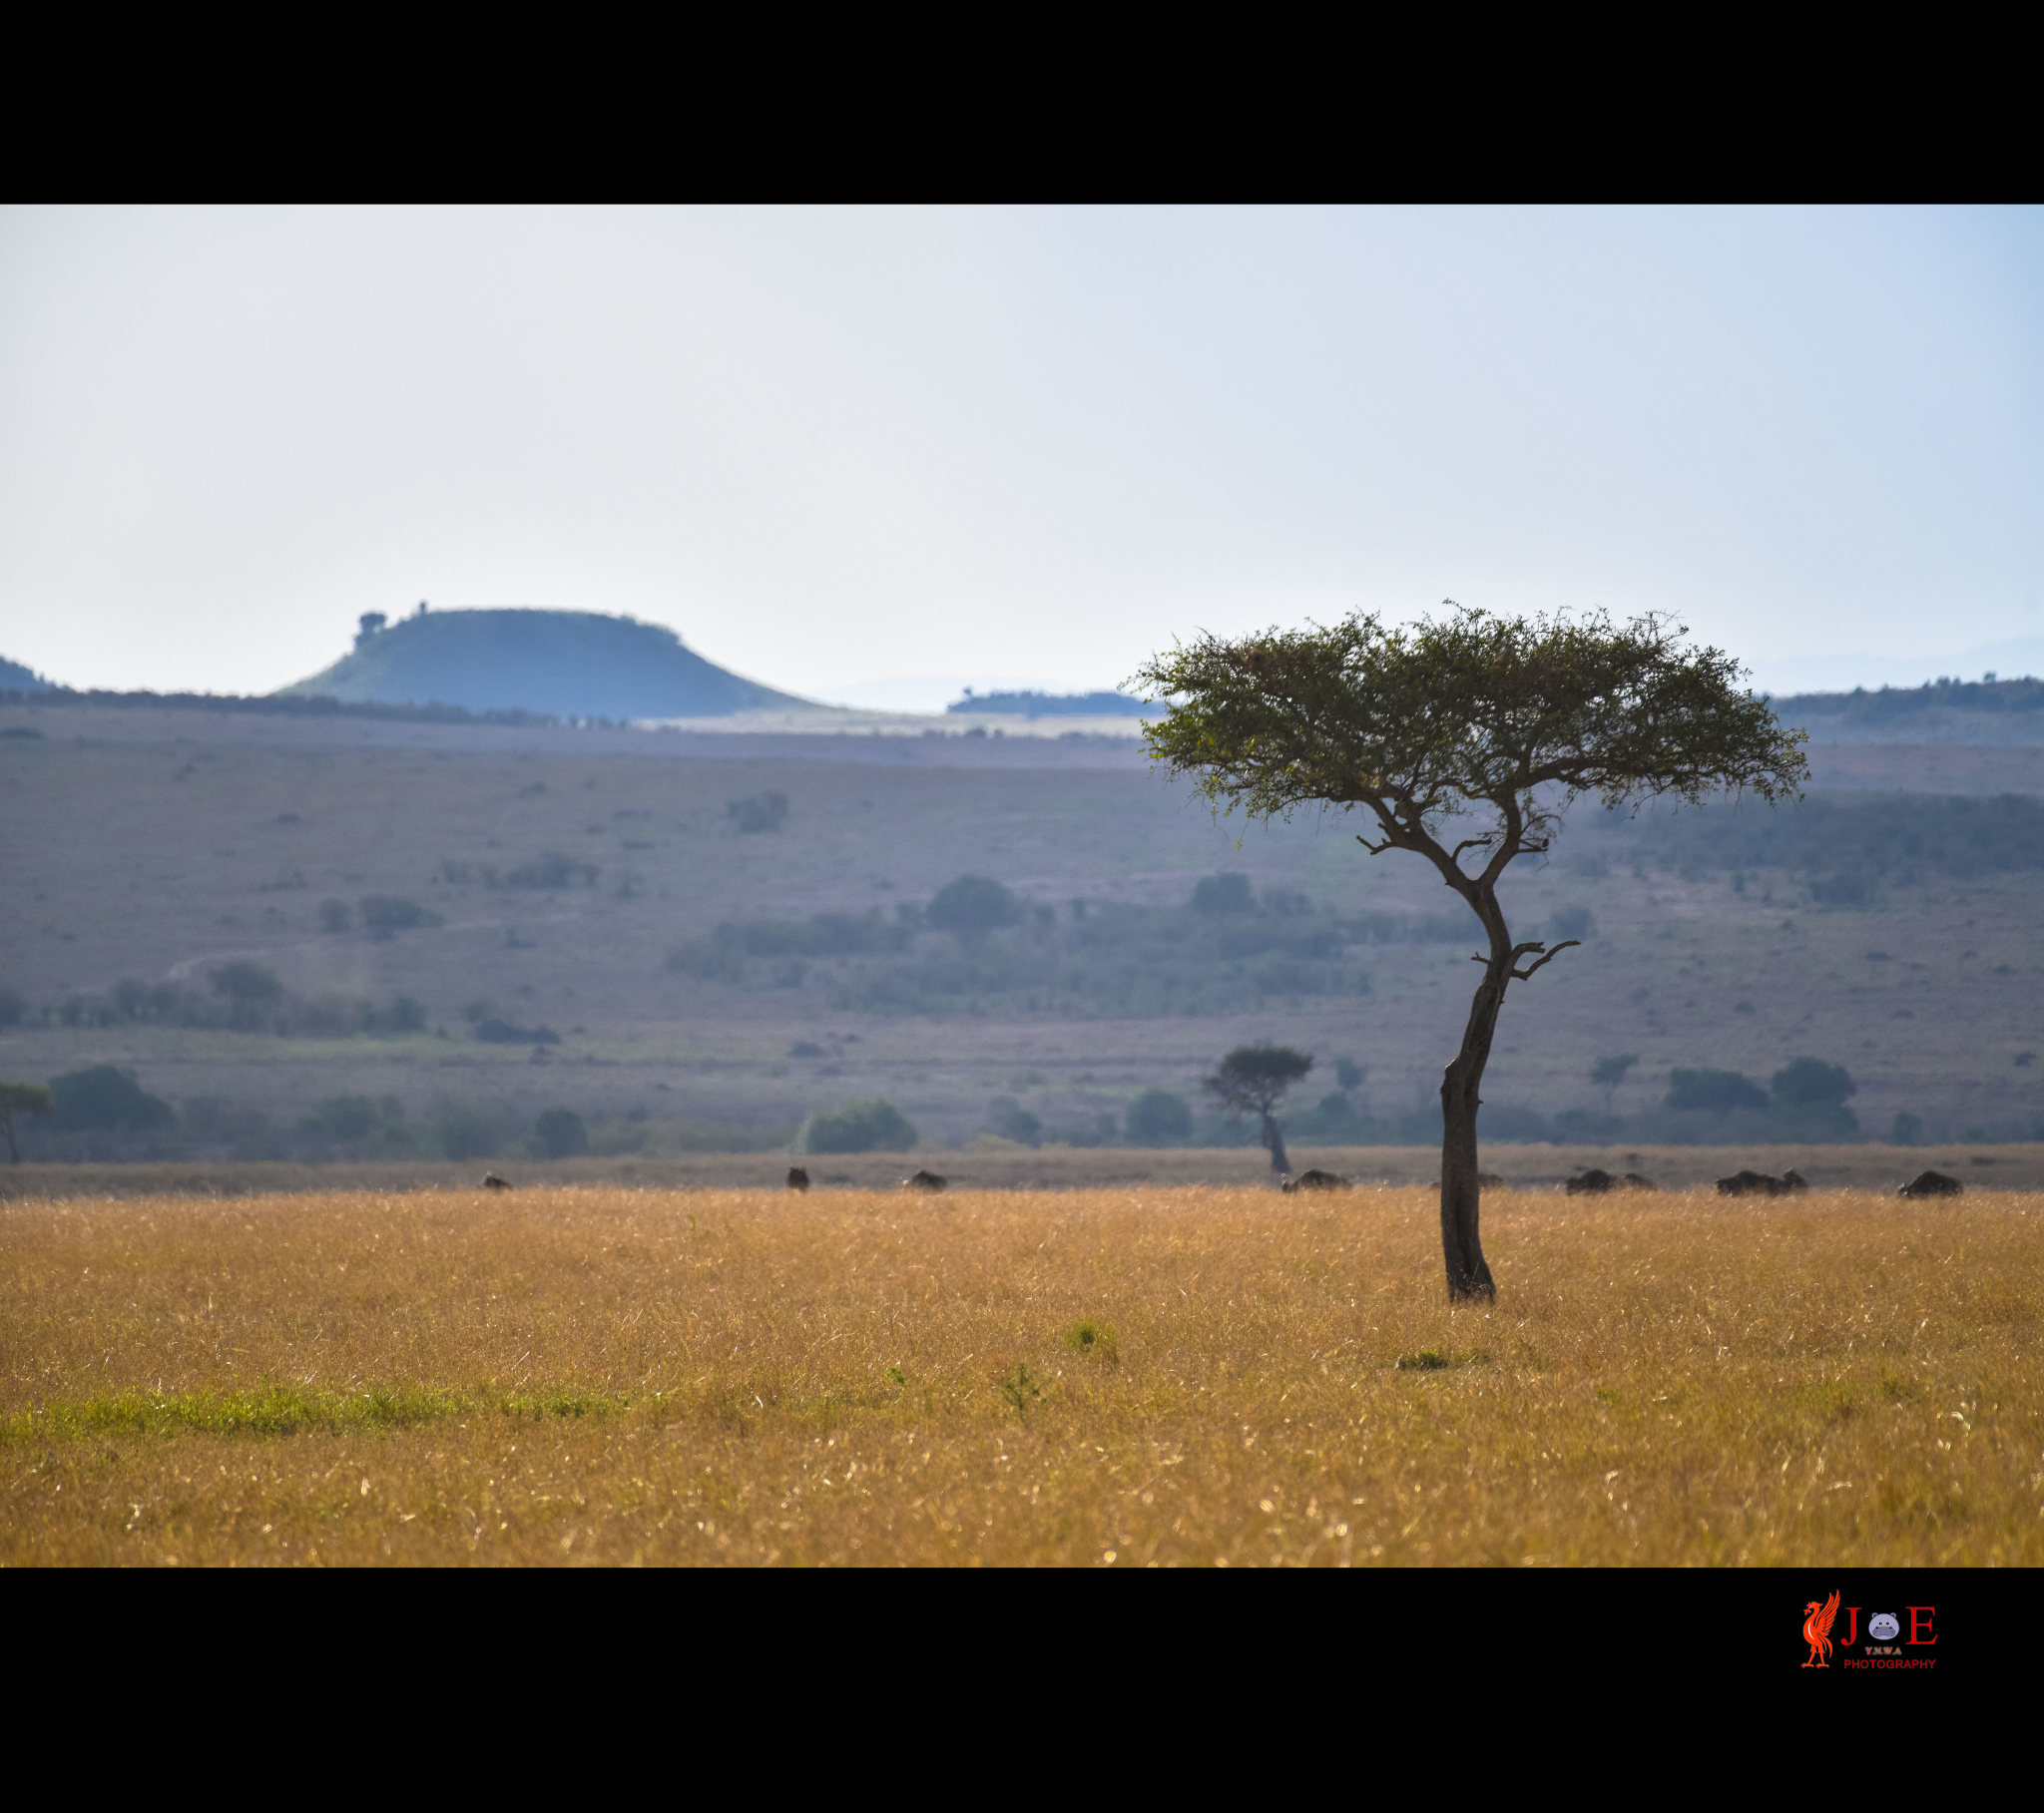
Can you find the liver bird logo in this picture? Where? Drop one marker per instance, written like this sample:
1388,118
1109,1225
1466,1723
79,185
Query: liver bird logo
1816,1630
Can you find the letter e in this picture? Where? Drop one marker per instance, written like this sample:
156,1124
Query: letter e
1917,1624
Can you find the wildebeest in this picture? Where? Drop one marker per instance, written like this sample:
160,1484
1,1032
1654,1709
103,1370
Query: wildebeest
1314,1180
798,1179
1591,1184
924,1179
492,1181
1931,1183
1793,1183
1751,1183
1633,1181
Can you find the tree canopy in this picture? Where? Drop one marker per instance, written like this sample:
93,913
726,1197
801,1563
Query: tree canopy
1469,722
1417,725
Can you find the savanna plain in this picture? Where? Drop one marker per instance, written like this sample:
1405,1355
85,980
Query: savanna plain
1103,1377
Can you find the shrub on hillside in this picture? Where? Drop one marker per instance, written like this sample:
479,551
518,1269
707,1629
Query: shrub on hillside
559,1132
550,870
359,1125
760,812
871,1126
1811,1083
971,907
384,914
247,983
1009,1119
1159,1117
106,1095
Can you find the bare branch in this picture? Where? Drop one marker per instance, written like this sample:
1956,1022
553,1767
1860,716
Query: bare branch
1375,849
1526,974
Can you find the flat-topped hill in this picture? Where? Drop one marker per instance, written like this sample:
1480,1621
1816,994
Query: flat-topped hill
572,664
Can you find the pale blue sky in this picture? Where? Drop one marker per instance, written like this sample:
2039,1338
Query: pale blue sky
834,449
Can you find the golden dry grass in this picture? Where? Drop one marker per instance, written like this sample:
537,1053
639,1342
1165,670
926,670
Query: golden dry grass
597,1375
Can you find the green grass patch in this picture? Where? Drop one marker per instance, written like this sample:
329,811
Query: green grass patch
283,1410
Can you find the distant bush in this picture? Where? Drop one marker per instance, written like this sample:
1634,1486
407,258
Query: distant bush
362,1126
1718,1092
760,813
721,957
550,870
1159,1117
247,983
559,1132
1811,1083
384,914
871,1126
1110,959
972,906
12,1007
336,915
403,1014
1008,1118
1349,1073
106,1095
1227,892
493,1031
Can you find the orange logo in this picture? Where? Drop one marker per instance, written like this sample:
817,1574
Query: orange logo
1816,1630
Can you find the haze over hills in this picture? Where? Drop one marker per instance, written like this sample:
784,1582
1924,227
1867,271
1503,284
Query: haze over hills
571,664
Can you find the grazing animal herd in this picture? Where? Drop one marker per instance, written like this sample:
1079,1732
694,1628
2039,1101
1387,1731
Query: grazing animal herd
1584,1184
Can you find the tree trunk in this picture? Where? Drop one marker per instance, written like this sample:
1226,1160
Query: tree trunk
1469,1278
1275,1142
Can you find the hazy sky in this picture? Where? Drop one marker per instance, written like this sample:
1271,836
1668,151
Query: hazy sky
835,448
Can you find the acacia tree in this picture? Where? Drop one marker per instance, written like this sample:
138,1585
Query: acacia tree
1251,1080
1474,721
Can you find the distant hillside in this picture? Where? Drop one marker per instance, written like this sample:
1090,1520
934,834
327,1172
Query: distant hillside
17,679
1997,712
571,664
1051,704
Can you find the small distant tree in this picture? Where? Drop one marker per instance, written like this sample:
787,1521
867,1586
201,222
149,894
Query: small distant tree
971,907
760,812
1502,720
369,624
1159,1117
1610,1072
1009,1119
105,1095
336,915
1252,1080
871,1126
21,1099
1811,1083
559,1132
247,983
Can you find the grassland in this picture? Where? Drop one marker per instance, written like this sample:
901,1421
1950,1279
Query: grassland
129,851
1107,1377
